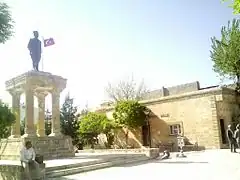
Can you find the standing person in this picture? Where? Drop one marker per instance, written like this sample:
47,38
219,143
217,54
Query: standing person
237,135
231,139
27,157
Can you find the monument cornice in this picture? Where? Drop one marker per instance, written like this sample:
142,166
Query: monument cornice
36,81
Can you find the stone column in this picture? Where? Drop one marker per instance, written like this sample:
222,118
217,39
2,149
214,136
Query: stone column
29,114
15,129
41,115
56,131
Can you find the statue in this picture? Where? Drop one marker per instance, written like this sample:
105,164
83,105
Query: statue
35,49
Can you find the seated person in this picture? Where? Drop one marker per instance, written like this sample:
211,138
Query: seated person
27,157
166,154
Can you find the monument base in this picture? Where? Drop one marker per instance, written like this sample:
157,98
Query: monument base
50,147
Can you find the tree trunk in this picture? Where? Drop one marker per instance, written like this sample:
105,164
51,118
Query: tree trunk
126,137
238,83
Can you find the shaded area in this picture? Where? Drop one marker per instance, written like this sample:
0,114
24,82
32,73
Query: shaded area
104,156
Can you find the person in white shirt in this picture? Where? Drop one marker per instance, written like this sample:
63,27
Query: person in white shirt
27,157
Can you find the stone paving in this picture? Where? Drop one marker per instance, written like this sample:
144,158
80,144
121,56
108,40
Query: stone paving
207,165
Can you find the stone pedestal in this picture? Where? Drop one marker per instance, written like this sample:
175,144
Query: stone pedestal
39,84
50,147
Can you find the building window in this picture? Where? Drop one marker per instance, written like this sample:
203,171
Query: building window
175,129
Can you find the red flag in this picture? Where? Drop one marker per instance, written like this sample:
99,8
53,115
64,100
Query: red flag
48,42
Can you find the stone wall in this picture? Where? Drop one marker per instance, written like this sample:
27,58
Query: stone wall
49,147
53,147
227,107
197,117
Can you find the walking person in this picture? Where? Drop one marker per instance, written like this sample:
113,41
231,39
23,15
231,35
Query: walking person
237,135
231,139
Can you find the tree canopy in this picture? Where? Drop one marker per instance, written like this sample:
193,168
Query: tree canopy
7,118
225,52
130,114
126,90
235,4
6,23
92,123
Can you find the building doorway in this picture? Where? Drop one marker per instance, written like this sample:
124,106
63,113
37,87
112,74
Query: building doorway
145,135
223,131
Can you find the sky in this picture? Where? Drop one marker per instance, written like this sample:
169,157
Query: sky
166,43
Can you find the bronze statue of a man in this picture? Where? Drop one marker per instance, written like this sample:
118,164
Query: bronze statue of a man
35,49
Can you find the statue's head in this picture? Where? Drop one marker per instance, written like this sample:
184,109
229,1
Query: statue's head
35,33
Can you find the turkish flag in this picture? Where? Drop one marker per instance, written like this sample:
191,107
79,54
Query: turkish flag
48,42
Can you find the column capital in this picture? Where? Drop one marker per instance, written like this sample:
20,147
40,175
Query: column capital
15,93
40,95
56,91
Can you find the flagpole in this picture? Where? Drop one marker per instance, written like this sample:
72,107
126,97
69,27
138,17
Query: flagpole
42,51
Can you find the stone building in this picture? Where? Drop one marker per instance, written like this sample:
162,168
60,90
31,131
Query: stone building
201,115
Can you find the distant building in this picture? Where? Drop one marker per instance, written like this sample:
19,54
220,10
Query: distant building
201,115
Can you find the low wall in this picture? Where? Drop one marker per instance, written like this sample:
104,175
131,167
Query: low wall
10,172
48,147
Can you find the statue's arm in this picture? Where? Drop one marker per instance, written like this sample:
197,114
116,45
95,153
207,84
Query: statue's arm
29,45
41,47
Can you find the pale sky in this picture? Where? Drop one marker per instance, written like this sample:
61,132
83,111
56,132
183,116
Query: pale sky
165,42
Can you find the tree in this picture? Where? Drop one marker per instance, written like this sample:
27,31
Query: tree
93,124
235,5
225,52
130,114
107,127
6,23
7,118
69,121
126,90
90,127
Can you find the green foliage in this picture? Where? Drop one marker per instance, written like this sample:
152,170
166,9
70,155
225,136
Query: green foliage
130,114
235,4
69,121
225,52
7,118
89,128
93,124
6,23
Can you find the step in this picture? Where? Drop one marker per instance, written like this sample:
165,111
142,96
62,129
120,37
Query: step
68,166
75,170
88,163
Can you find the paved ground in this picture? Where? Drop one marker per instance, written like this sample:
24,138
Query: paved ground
208,165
